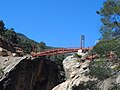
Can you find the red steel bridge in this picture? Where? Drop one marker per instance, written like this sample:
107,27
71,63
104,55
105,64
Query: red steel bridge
62,50
58,51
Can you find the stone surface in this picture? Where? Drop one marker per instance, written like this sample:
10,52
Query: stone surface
75,73
37,74
8,63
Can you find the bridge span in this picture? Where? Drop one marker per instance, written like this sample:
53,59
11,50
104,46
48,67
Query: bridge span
58,51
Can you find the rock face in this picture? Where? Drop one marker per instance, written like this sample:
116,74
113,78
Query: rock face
75,73
37,74
107,83
8,63
77,77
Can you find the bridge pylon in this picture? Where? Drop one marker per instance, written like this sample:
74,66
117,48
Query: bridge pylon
82,41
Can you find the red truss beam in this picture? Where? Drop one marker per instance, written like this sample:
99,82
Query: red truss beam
58,51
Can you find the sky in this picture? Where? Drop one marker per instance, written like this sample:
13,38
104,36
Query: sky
58,23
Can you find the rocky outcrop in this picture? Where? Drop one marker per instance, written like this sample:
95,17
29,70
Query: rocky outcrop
109,82
8,63
36,74
4,44
75,73
77,77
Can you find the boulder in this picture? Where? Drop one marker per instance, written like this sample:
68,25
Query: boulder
3,52
75,73
37,74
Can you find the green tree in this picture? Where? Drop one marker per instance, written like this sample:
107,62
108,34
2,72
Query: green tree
10,35
110,13
110,30
103,48
42,46
2,28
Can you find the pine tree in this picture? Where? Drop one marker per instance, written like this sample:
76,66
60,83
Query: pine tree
110,17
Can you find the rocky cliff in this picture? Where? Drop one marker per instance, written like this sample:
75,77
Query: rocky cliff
75,73
36,74
77,77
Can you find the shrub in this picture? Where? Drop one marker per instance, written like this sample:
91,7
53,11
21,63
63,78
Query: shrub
99,69
89,85
77,55
115,87
105,47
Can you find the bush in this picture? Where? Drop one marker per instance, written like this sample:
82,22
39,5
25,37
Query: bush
99,69
104,47
77,55
115,87
89,85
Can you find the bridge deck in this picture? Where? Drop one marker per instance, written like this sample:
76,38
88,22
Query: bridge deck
58,51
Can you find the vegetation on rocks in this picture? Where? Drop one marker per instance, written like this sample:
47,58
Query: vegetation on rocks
115,87
100,69
104,48
89,85
77,55
109,44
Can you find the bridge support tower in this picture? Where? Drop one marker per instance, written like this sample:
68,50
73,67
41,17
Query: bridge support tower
82,41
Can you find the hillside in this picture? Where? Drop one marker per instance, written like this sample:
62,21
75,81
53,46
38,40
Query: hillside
22,37
20,40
